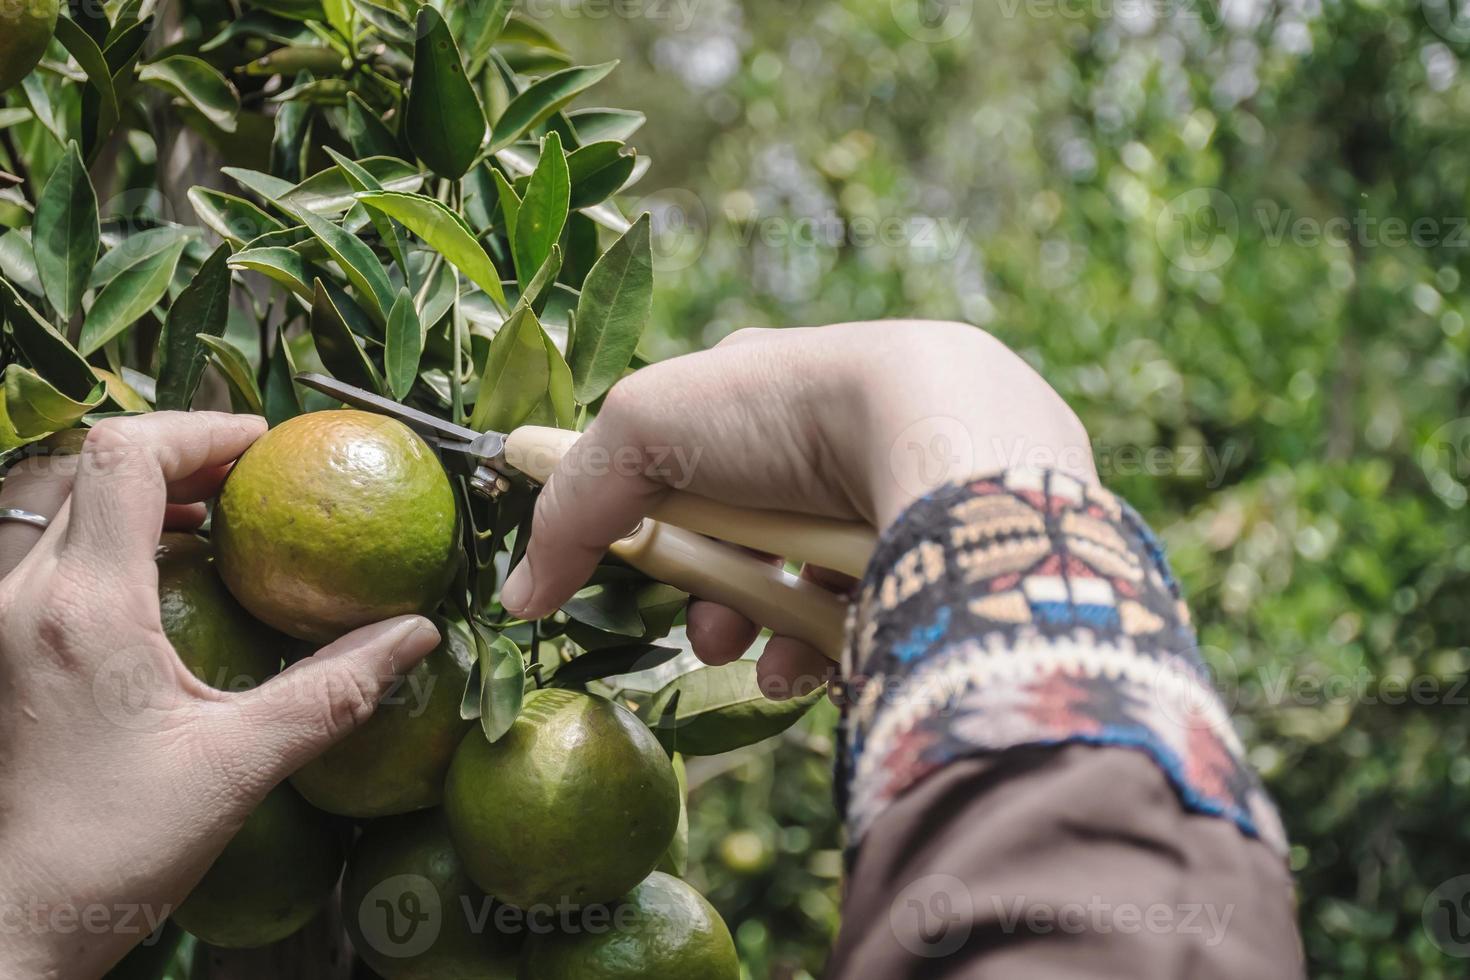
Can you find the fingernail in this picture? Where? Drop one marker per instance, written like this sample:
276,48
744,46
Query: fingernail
421,637
516,594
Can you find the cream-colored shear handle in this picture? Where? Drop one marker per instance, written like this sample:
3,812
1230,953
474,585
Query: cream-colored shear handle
768,594
844,546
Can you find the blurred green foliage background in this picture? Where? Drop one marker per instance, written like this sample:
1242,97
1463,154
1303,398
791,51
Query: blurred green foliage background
1234,237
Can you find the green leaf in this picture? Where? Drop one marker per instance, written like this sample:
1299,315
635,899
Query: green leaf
362,267
539,288
611,606
559,408
516,375
612,661
676,859
279,397
502,682
48,351
199,84
593,125
280,264
445,123
366,133
469,702
338,347
292,9
540,100
445,232
233,218
329,193
390,23
35,407
80,45
510,203
202,308
478,25
18,262
244,394
135,248
128,297
722,709
340,16
597,171
404,345
268,186
616,301
66,233
361,180
543,211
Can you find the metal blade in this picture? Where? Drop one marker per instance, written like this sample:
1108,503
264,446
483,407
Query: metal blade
486,447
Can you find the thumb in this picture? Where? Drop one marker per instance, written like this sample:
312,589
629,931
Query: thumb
296,716
585,506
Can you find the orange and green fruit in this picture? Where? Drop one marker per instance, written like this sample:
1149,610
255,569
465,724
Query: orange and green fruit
662,930
220,643
26,27
396,762
280,867
575,804
271,879
413,913
334,520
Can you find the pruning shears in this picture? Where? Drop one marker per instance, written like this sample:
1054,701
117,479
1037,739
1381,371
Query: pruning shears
690,542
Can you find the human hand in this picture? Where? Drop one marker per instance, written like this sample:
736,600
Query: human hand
122,776
853,421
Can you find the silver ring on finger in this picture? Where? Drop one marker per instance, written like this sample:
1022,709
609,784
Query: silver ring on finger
17,516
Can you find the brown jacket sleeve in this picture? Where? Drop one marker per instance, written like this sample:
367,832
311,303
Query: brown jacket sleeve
1037,776
1058,863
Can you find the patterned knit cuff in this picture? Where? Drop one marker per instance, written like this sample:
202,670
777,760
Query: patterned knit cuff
1030,608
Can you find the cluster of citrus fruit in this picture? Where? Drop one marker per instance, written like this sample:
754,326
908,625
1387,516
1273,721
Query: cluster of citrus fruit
532,857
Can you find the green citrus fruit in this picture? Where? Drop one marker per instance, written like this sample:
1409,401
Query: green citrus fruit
412,911
334,520
271,879
575,804
662,930
220,643
396,762
26,27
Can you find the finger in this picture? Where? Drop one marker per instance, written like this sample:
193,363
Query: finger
719,634
596,495
745,335
184,517
39,485
119,497
202,485
294,717
789,668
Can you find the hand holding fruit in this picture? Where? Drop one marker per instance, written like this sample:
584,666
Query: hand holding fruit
124,775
